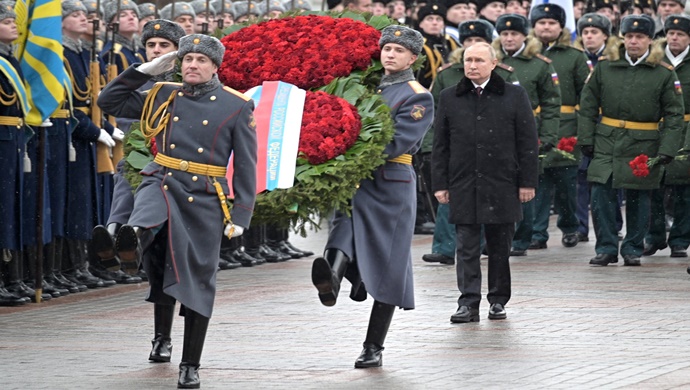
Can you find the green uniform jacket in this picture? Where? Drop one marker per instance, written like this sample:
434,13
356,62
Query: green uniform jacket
678,172
534,72
642,93
571,66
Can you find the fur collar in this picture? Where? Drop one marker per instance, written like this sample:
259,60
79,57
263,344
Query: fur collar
495,85
616,53
396,78
532,48
562,41
455,56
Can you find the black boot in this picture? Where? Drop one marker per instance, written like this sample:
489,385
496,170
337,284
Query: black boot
55,255
286,236
102,245
275,241
195,326
379,322
162,324
130,244
31,254
7,298
327,272
227,260
75,273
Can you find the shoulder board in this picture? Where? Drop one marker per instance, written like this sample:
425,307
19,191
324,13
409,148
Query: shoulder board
544,58
506,67
416,87
666,65
237,93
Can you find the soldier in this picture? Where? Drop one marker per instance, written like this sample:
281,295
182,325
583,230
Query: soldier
123,48
204,16
147,13
177,219
677,175
274,11
558,181
605,9
383,208
437,45
244,11
182,14
224,17
664,9
634,89
490,10
87,39
536,74
457,11
470,32
298,5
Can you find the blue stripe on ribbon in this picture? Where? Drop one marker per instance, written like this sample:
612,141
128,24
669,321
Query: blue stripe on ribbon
11,73
275,134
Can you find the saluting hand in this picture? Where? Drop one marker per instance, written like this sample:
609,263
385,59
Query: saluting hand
160,65
526,194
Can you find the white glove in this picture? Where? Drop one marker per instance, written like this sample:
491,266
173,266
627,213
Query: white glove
160,65
118,135
106,139
238,230
46,123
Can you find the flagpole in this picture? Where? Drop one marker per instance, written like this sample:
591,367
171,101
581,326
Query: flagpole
40,173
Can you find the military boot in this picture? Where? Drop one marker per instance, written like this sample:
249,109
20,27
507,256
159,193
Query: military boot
7,298
77,272
15,279
130,244
275,241
31,254
326,274
195,326
103,246
55,251
162,324
379,322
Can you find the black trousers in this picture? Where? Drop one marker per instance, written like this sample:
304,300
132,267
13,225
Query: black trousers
499,238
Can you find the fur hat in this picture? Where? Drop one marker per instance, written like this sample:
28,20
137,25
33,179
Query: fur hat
146,10
199,7
181,8
110,8
681,2
638,23
431,8
242,8
483,3
70,6
513,22
303,5
450,3
476,28
91,7
599,4
218,5
202,44
594,20
547,11
161,28
403,36
274,5
7,10
678,22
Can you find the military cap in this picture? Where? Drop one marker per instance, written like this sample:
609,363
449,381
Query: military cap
110,8
483,3
181,8
681,2
547,11
512,22
304,5
450,3
224,5
199,7
594,20
146,10
599,4
476,28
273,5
202,44
678,22
7,10
161,28
403,36
91,7
334,3
638,23
645,4
431,9
71,6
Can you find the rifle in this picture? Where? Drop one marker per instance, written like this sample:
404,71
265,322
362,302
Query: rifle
117,152
104,164
221,22
204,25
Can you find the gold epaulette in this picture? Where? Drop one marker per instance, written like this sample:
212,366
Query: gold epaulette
237,93
416,87
506,67
666,65
117,48
544,58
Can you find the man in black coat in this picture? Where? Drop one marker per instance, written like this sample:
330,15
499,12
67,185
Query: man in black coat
484,168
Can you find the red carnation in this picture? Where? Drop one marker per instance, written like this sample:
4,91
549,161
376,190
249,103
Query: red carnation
153,147
640,166
567,144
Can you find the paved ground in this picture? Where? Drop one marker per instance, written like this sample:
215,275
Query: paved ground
569,326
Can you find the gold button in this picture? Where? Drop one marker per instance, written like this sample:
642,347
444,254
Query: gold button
172,146
165,187
180,93
184,165
195,178
378,91
175,119
204,122
190,199
169,173
200,150
213,98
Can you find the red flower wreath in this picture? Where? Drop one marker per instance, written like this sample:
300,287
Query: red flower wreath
306,51
330,125
640,165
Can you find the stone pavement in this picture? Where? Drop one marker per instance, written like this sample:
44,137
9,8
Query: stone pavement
569,326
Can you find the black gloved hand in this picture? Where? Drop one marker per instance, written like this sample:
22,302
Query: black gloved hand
545,148
587,150
664,159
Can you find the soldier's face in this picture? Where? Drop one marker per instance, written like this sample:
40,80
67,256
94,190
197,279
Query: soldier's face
677,41
199,21
593,38
378,9
669,7
511,41
156,47
478,63
8,30
75,24
432,25
547,30
459,13
186,22
396,58
493,10
515,7
129,22
608,12
197,68
636,44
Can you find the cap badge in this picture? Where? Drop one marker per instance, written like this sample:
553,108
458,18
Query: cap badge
434,7
589,20
635,23
397,33
675,21
196,41
157,26
508,23
471,26
546,9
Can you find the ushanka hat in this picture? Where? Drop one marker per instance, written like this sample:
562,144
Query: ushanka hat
161,28
638,23
202,44
594,20
476,28
242,8
273,5
547,11
303,5
110,8
403,36
181,9
678,22
431,9
199,7
71,6
146,10
513,22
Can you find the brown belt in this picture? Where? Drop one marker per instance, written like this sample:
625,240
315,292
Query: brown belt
189,166
630,125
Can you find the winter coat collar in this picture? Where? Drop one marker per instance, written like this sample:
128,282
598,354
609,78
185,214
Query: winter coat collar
496,85
396,78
